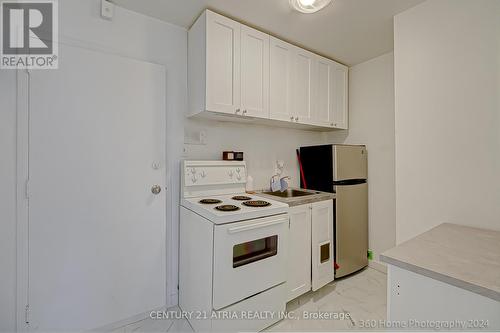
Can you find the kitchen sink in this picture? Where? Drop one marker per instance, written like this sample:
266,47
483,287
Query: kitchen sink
290,193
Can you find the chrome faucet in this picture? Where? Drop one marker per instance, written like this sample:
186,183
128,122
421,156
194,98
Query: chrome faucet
284,183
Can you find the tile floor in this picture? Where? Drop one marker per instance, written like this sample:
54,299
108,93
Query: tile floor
356,299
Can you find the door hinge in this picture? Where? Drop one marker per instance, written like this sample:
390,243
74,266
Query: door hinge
26,314
27,189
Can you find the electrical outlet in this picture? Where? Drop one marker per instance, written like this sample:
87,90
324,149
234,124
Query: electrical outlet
279,166
203,137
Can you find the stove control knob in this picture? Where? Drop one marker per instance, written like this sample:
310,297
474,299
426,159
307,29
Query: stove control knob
193,171
203,174
238,170
194,179
230,173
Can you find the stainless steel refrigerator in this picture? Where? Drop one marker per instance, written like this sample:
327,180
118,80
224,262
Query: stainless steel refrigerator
342,169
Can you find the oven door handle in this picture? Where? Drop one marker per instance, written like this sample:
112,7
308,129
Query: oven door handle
255,226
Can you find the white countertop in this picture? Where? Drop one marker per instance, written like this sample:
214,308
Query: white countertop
466,257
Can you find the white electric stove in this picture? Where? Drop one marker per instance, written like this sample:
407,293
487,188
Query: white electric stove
221,209
232,262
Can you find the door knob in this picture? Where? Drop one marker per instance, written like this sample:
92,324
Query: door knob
156,189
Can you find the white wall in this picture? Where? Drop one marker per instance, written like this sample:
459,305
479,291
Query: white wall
262,146
128,34
371,122
447,99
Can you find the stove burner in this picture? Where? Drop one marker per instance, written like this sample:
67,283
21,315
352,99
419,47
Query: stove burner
257,203
210,201
227,208
241,198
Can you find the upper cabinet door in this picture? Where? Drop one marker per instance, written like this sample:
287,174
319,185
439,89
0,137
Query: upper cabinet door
340,116
325,102
223,64
305,72
254,72
281,80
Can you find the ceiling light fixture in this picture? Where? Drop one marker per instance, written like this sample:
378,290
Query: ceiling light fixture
309,6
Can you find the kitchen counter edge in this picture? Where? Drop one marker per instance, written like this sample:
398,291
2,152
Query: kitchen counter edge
302,200
401,257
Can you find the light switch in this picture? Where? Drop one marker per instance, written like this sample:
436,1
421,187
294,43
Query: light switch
107,9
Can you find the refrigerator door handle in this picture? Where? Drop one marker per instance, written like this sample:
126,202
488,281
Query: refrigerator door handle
348,182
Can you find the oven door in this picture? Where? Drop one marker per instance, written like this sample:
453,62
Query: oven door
249,257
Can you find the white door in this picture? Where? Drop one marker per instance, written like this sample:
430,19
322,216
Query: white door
323,112
254,73
97,250
305,72
322,244
298,279
281,80
340,117
223,64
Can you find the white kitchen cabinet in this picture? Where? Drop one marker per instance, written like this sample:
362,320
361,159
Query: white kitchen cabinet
311,248
240,74
340,116
413,297
223,64
331,91
322,270
323,113
254,73
303,83
281,80
299,252
214,64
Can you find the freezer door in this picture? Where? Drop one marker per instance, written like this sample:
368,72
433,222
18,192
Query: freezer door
351,228
350,162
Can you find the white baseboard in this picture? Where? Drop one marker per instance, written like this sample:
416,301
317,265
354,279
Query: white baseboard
378,266
125,322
